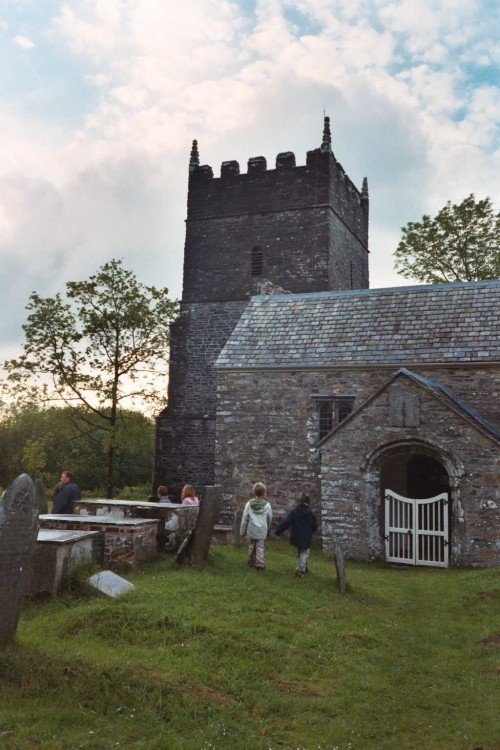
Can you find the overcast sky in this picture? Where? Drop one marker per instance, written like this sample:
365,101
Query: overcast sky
100,100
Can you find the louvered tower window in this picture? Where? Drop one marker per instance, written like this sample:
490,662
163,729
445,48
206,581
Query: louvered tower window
257,261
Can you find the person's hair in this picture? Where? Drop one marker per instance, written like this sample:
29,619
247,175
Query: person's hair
304,498
161,491
188,491
259,489
69,475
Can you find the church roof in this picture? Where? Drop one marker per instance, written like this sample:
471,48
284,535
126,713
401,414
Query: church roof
445,323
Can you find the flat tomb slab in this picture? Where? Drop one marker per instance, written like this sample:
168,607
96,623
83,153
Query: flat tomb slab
63,536
132,503
127,541
174,520
57,553
95,520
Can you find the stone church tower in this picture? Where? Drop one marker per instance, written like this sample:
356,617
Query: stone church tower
301,228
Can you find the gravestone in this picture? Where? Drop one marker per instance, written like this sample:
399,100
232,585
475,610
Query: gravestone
18,534
237,516
41,496
110,584
196,546
338,556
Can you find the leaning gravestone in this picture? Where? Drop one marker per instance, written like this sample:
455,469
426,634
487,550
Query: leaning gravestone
110,584
338,556
196,546
18,534
237,516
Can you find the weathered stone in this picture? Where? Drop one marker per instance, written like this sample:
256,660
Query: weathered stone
57,554
196,546
338,557
127,541
41,495
312,227
18,533
110,584
173,519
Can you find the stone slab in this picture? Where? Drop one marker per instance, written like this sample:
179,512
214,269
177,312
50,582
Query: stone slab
173,519
132,503
58,552
110,584
126,541
107,521
63,536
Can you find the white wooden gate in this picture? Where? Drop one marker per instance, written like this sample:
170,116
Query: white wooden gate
416,531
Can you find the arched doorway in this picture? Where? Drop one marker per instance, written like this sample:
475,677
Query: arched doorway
414,475
412,485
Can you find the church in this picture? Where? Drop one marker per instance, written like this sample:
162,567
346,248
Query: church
285,367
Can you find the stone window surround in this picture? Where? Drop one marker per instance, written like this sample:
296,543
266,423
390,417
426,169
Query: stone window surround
337,400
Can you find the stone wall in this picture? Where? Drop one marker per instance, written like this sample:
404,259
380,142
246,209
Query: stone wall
173,520
350,471
268,427
185,433
312,225
124,545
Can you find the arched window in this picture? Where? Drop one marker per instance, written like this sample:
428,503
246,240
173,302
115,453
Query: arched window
257,261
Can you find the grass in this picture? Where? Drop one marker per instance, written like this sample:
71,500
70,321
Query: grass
231,658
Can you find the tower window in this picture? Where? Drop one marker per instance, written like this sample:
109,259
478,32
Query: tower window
257,261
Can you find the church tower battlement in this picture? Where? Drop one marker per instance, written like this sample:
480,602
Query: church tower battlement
302,228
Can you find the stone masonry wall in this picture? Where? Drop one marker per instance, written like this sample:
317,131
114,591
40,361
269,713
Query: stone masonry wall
123,545
268,424
185,435
352,498
312,225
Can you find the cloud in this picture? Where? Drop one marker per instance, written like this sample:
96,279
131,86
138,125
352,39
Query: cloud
23,41
397,79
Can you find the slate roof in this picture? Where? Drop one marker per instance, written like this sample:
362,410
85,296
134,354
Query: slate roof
448,323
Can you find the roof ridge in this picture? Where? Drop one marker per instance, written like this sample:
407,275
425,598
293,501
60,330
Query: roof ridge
420,288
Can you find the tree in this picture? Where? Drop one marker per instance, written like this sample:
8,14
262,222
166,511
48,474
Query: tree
43,441
106,345
461,243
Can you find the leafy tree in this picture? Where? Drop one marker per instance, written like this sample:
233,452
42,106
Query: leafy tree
461,243
102,347
44,441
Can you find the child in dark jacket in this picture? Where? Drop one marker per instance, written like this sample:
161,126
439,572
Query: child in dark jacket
302,524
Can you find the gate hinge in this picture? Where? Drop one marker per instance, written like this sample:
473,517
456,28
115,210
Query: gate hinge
445,543
386,538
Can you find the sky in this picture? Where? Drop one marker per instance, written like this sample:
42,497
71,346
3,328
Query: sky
100,100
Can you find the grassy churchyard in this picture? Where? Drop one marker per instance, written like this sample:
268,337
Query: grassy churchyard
231,658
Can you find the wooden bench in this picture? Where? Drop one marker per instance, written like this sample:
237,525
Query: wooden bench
127,541
173,519
57,554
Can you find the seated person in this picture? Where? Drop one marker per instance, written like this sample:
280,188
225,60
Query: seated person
161,494
188,495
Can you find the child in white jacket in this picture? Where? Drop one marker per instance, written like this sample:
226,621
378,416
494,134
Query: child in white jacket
255,524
